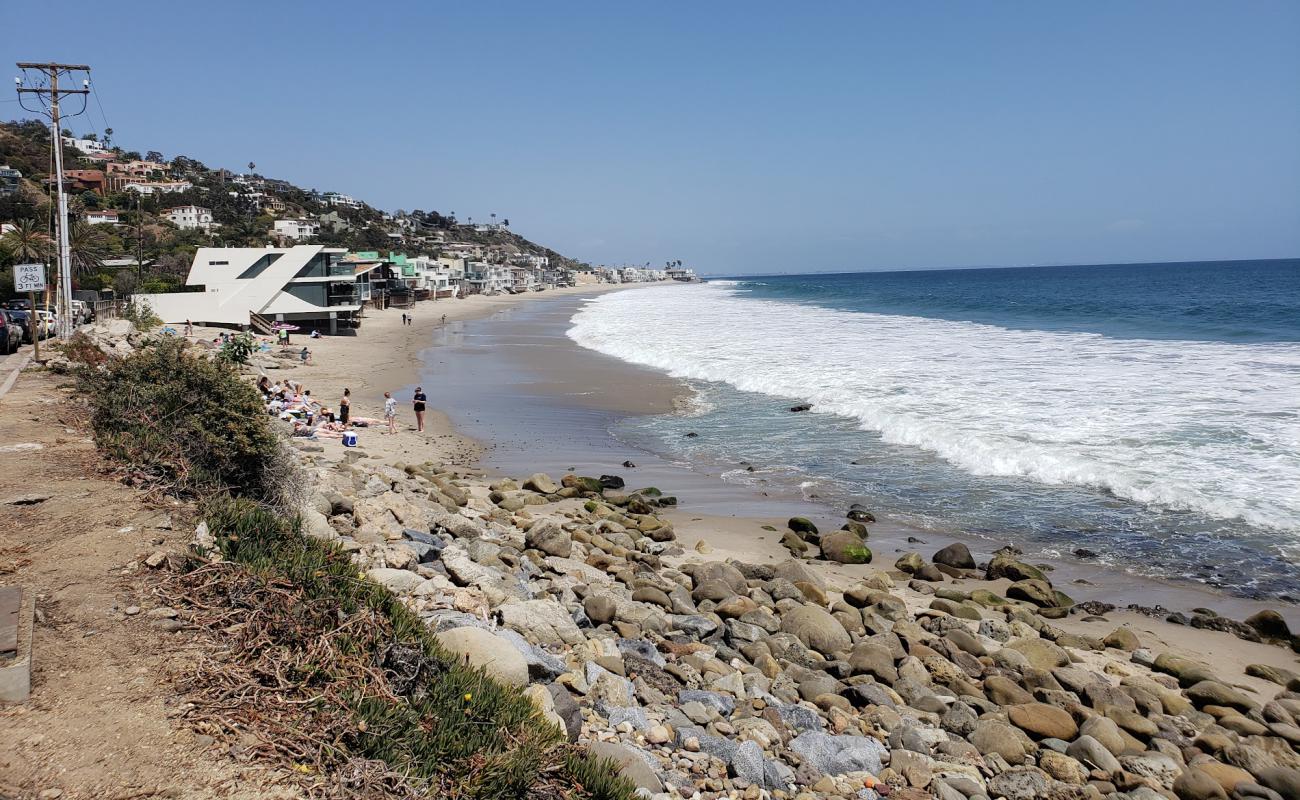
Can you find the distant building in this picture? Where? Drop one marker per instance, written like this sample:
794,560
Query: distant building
484,278
84,180
106,216
159,187
10,180
139,169
86,146
189,218
338,199
308,285
297,229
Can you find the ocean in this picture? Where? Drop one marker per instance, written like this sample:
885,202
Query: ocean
1144,415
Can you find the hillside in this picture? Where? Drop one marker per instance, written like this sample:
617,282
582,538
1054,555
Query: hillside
119,199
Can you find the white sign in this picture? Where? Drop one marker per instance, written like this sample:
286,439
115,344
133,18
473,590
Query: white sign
29,278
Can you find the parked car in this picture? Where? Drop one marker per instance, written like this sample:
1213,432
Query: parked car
80,312
48,323
24,320
11,334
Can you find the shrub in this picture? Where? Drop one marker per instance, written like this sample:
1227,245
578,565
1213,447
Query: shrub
140,314
447,725
190,425
238,348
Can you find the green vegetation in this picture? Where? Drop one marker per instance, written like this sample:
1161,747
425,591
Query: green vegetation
238,349
187,425
347,683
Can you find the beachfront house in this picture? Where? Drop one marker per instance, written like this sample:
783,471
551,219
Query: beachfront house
307,285
484,278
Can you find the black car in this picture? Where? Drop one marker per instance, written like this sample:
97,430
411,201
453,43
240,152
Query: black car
11,334
24,320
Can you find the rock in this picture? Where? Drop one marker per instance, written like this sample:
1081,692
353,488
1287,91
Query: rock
541,483
845,547
1038,592
1062,767
1283,780
1185,670
567,709
911,563
658,734
748,764
1092,753
802,525
1005,565
801,407
600,608
1041,653
1021,783
1213,693
397,581
541,621
816,628
1005,692
630,763
1193,784
1122,639
955,555
494,655
1269,624
836,755
1043,721
546,535
991,736
1104,731
871,658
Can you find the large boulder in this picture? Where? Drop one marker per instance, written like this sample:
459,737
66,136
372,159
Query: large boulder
845,547
992,736
546,535
541,482
631,763
1038,592
817,629
1006,565
541,622
836,755
1043,721
955,555
483,649
397,581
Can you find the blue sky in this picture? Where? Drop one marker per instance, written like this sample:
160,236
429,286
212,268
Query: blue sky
739,137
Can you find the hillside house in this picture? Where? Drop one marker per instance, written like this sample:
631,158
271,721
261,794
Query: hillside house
189,218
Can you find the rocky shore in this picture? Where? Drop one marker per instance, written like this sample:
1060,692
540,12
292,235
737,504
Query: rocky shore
710,678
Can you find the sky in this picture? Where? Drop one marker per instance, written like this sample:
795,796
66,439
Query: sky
738,137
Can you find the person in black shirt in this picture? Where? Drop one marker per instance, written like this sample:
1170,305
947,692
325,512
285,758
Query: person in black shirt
420,400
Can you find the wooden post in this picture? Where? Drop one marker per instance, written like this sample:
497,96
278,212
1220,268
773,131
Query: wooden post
34,323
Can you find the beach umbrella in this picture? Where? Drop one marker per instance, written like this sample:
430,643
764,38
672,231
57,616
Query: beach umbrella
284,326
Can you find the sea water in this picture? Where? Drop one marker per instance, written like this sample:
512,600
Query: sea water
1146,415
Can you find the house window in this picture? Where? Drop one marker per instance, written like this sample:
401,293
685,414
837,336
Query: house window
219,264
259,266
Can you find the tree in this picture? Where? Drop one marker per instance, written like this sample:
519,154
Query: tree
154,156
27,242
108,136
88,246
251,166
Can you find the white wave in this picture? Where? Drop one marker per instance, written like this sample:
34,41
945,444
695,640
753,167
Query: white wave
1200,426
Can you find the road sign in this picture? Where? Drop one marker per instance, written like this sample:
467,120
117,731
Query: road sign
29,278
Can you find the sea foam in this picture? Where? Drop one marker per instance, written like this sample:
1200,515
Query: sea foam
1206,427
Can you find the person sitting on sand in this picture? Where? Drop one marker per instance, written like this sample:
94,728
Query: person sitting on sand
264,385
390,412
305,356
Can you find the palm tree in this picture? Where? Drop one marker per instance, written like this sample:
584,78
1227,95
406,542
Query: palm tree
27,242
87,248
108,137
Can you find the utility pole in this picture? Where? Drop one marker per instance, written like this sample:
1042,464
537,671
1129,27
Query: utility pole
52,71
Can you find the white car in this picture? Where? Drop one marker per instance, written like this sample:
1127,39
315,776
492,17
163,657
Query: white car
48,323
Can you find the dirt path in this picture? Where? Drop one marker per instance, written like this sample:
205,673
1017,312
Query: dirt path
102,720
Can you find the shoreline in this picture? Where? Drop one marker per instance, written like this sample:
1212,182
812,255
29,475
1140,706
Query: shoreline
536,379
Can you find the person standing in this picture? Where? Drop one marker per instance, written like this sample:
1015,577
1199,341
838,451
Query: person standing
420,400
345,406
390,411
189,328
403,318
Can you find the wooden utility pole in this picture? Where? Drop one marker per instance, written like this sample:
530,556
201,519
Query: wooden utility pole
53,93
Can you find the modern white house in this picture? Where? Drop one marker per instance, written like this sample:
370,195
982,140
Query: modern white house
296,228
434,276
189,218
339,199
307,285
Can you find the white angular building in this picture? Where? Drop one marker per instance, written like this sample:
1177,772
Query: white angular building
307,285
189,218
